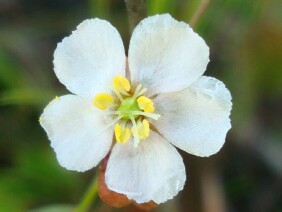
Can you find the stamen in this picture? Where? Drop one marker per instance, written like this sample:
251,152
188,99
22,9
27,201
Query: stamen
129,107
118,95
123,92
103,101
121,84
122,134
135,134
113,105
143,129
146,104
142,91
149,115
123,124
137,90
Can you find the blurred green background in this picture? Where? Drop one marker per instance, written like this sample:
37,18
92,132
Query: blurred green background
245,39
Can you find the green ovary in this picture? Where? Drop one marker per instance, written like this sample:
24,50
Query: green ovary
127,107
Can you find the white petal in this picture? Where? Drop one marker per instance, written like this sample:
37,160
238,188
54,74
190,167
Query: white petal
166,55
76,131
152,171
87,60
196,119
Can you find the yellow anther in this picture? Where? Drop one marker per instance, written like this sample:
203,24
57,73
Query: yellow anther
122,135
143,129
146,104
103,101
56,98
121,84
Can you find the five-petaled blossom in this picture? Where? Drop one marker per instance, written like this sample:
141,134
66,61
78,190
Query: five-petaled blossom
149,102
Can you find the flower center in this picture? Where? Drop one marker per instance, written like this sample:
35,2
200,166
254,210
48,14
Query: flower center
130,108
127,107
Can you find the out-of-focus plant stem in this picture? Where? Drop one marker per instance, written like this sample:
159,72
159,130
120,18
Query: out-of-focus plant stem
136,10
89,196
212,192
199,12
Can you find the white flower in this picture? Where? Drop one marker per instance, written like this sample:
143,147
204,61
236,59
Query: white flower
164,88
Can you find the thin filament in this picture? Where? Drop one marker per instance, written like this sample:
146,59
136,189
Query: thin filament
118,95
150,115
125,93
136,136
137,91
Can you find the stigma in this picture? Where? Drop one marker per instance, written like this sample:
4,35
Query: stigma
132,108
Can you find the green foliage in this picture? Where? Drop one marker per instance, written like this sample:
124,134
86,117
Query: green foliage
55,208
160,6
245,42
34,176
100,8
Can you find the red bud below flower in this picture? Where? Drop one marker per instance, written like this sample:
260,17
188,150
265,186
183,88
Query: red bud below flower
115,199
110,197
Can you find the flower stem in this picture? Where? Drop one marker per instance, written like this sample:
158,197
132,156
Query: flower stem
199,12
89,197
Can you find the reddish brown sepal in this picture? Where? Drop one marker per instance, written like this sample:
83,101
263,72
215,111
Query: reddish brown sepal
110,197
